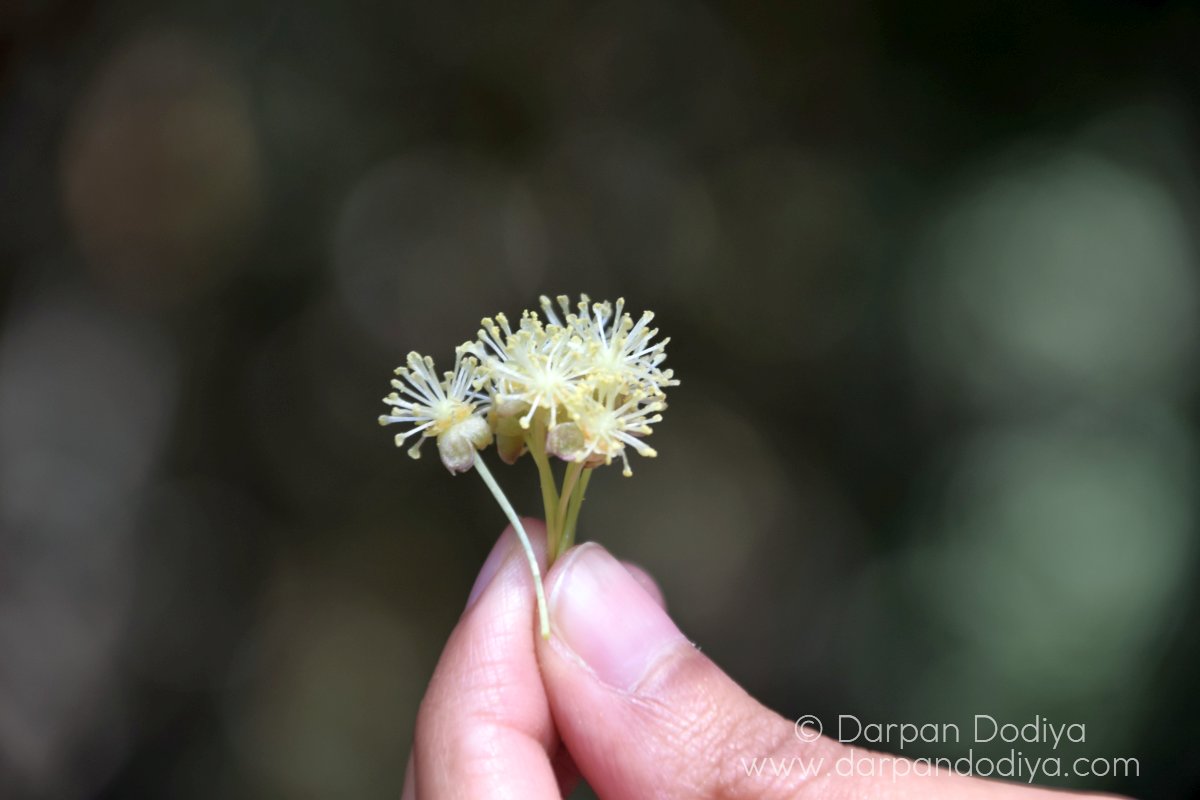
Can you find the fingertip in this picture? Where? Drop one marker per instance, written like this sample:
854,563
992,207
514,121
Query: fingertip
626,686
606,618
506,545
647,582
639,574
491,565
486,696
535,529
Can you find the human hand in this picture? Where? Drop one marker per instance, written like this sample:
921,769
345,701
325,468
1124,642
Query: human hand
617,695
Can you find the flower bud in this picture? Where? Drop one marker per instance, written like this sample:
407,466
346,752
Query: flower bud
566,441
457,446
510,447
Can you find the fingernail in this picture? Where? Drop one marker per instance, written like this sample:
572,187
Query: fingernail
490,567
604,615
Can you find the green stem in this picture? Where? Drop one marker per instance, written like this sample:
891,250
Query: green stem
573,509
568,492
535,440
511,513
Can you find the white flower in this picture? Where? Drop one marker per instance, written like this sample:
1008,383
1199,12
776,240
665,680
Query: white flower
451,410
620,351
534,367
603,424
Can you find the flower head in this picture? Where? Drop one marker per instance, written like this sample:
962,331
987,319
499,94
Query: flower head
535,367
589,375
451,410
620,351
603,424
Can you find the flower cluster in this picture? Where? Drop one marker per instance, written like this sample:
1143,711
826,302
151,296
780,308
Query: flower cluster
584,384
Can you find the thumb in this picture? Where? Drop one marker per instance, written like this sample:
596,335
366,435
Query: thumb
642,712
645,714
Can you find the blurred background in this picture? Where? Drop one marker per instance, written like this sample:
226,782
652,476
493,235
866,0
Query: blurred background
932,280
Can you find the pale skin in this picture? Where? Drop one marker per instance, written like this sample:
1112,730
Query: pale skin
616,695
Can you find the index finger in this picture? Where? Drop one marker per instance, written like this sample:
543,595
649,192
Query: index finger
484,728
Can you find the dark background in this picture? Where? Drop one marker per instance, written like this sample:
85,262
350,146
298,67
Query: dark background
930,272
